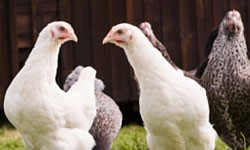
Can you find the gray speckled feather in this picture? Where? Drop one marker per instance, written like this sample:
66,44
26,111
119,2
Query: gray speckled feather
148,32
227,81
109,117
194,74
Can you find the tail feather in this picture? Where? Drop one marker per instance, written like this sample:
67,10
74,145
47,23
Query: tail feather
85,81
72,78
82,94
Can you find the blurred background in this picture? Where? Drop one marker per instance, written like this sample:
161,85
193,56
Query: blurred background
182,26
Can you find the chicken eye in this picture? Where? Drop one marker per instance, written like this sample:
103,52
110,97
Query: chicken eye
119,32
61,28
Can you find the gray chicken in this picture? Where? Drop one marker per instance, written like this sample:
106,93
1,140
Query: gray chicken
108,119
227,81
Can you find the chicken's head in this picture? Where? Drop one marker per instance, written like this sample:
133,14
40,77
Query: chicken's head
232,23
120,35
59,31
146,29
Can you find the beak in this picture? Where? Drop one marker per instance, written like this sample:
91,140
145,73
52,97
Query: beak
73,37
108,38
232,27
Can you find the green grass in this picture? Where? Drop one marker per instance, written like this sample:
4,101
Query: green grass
131,137
221,146
10,139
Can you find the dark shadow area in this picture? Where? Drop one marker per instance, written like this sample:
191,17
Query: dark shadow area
130,112
4,121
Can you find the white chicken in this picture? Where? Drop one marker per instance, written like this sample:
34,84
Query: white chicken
46,116
174,108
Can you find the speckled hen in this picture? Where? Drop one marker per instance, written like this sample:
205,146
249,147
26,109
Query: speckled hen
227,81
108,120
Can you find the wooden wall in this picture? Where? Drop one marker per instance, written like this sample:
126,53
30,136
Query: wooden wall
182,25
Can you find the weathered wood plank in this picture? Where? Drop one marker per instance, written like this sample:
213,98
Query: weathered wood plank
101,53
209,18
66,55
152,14
188,43
82,25
23,23
47,11
23,6
5,61
134,11
134,16
171,30
201,21
34,5
119,65
219,11
13,37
